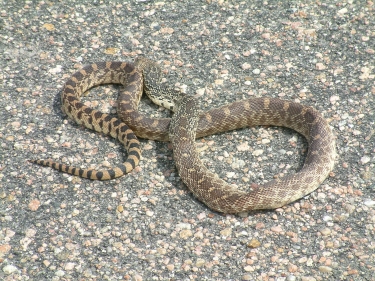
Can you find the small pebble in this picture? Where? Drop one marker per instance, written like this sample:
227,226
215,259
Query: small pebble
200,262
247,277
325,231
226,232
369,203
69,266
254,243
34,204
60,273
334,99
246,66
256,71
149,213
200,92
342,11
9,269
277,228
185,233
365,159
320,66
137,277
258,152
325,269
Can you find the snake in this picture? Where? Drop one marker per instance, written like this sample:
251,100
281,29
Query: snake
187,124
88,77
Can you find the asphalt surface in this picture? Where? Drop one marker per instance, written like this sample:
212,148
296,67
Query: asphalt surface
146,225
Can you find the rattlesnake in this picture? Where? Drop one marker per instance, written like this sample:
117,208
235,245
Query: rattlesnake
187,124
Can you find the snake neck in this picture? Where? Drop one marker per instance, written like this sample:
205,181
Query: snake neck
186,117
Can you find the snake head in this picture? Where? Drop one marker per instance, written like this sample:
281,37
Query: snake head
151,70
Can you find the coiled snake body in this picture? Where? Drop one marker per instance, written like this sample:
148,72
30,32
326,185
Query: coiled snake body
88,77
187,124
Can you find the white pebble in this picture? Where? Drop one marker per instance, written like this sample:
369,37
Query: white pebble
257,152
49,139
9,269
342,11
325,269
345,116
230,174
246,66
365,159
369,203
18,146
333,99
69,266
60,273
183,225
241,163
144,198
256,71
149,213
327,218
55,70
200,92
321,196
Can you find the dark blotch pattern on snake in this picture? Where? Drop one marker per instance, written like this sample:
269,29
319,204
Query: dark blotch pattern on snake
88,77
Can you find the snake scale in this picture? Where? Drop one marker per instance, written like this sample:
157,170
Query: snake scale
187,124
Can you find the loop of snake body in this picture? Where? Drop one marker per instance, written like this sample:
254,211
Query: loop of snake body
88,77
187,124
